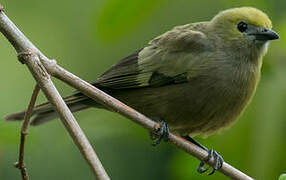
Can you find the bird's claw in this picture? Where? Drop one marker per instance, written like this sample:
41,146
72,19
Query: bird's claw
218,161
201,168
162,133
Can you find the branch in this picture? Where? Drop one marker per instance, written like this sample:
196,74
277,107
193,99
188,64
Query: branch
117,106
29,56
19,41
24,132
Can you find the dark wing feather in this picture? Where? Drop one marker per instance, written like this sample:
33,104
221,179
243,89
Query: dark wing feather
124,75
121,75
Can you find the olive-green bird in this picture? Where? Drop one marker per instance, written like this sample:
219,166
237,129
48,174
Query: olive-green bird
197,77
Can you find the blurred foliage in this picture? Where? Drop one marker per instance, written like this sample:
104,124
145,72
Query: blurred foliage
118,19
282,177
87,38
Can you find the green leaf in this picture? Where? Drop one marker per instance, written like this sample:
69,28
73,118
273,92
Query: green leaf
119,18
282,177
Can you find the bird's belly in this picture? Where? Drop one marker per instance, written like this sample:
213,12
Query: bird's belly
188,109
210,109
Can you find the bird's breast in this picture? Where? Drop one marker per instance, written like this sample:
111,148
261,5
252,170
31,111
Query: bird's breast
218,98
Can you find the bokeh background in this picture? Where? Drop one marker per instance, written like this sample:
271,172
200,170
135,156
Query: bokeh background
87,37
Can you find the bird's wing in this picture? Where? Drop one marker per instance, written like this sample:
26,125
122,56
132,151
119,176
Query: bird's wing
165,61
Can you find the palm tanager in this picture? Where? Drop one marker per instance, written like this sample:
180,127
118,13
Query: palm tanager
195,79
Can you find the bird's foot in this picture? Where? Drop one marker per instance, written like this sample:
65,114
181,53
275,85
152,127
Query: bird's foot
162,133
218,161
211,154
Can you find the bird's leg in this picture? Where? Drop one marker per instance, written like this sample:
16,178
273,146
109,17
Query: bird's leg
162,133
211,154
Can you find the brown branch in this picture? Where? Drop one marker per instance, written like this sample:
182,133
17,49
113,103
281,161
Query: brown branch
19,41
117,106
28,55
24,132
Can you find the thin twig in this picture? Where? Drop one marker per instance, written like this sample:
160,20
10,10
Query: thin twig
20,42
24,132
28,55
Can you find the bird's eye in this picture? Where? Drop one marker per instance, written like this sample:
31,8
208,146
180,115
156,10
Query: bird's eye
242,26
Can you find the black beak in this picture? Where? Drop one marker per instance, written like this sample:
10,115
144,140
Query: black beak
262,34
267,34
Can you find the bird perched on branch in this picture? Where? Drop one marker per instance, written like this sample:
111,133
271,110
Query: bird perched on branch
195,79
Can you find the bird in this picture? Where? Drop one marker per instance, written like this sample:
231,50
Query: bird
195,79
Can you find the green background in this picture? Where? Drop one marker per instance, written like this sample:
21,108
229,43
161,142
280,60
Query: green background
87,37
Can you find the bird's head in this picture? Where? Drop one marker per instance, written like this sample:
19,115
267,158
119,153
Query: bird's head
246,26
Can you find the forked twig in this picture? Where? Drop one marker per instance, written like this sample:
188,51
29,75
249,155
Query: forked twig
28,54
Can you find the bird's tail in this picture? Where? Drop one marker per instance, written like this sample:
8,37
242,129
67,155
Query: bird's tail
45,112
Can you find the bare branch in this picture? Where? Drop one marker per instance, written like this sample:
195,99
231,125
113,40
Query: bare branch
117,106
20,42
28,54
24,132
